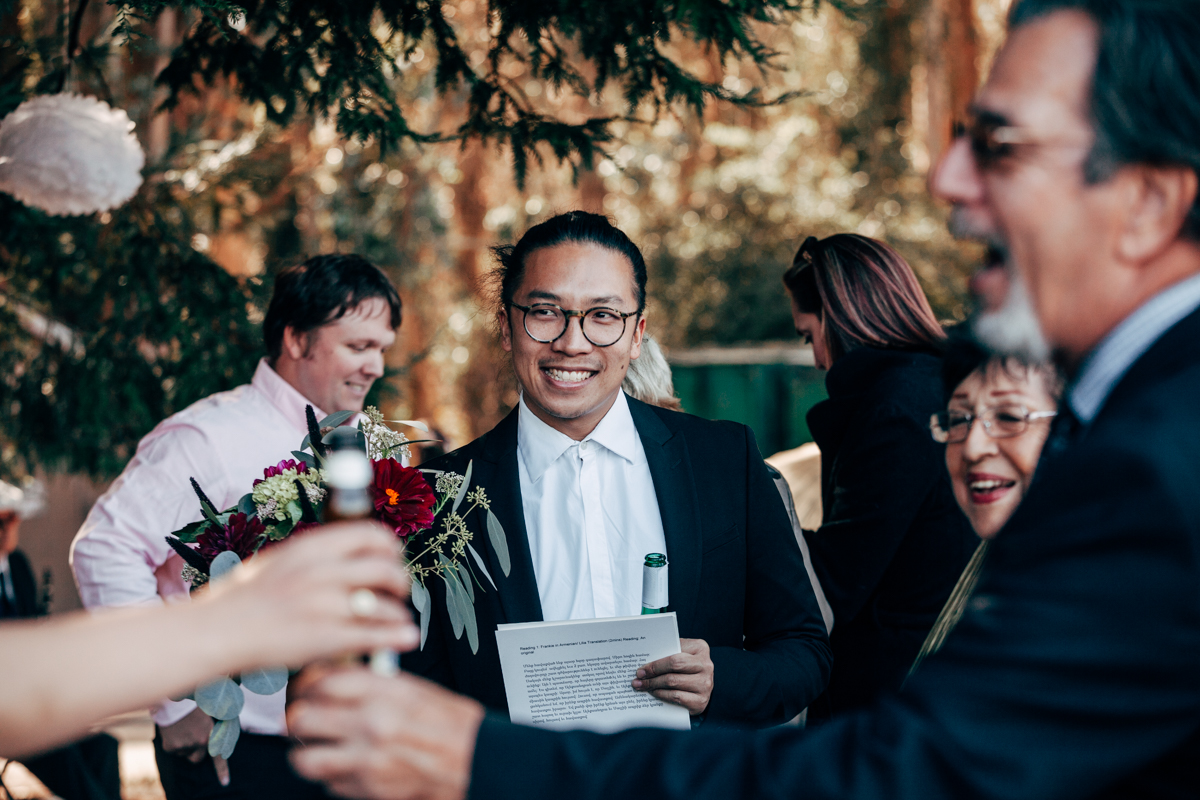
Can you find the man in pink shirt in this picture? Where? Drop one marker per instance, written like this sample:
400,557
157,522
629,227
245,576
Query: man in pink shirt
328,325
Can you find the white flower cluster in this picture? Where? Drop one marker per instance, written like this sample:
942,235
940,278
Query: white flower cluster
448,483
277,496
382,441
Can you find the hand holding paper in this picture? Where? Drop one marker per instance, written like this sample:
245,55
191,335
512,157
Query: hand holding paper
685,679
579,673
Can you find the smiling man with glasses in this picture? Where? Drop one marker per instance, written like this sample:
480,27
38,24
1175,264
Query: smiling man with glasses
587,481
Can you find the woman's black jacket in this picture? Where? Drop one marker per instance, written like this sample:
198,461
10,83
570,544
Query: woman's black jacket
893,541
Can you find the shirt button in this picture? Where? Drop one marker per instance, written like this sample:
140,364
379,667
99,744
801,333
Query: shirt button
583,446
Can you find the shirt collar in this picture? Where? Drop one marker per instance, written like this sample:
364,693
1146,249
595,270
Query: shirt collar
1128,342
541,445
283,395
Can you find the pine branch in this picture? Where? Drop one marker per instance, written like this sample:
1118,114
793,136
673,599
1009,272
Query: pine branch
328,58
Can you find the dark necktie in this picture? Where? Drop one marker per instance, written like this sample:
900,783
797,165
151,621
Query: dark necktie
1065,430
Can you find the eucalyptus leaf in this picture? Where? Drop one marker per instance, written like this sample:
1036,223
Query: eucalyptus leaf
223,564
466,579
412,423
335,419
458,604
307,458
423,616
499,542
472,630
482,567
453,605
420,596
421,601
387,453
294,510
267,680
220,699
462,490
189,532
224,737
211,516
246,505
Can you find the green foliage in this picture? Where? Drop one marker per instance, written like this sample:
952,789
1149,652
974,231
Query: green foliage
339,59
152,325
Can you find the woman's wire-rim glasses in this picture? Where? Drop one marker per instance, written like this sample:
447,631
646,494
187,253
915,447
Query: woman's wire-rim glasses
559,318
999,422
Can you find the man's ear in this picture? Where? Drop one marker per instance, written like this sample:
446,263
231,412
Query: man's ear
505,329
639,331
1158,200
295,345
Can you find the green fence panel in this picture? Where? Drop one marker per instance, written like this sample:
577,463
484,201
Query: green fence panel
772,399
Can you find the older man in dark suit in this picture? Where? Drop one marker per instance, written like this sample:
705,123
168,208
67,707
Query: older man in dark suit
1074,672
586,481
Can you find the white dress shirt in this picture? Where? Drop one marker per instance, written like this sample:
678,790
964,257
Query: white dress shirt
120,555
591,515
6,584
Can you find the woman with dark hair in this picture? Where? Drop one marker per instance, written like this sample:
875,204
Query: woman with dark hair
892,541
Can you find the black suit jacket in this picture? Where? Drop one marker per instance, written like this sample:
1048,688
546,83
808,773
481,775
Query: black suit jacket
1075,672
24,586
893,540
736,578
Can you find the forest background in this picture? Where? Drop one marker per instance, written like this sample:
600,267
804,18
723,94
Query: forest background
111,322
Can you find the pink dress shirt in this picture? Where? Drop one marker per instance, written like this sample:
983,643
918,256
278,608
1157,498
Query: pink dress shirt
120,555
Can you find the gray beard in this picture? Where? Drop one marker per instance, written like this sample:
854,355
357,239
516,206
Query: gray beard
1013,329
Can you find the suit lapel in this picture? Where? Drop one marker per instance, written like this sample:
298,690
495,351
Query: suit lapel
496,470
1176,349
671,471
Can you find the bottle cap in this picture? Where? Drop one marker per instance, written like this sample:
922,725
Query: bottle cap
348,469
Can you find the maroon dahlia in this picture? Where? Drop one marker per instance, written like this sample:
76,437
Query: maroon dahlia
241,534
403,500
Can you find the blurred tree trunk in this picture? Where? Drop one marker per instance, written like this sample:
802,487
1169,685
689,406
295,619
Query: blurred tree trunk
951,53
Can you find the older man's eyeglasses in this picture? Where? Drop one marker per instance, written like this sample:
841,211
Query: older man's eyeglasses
993,142
546,323
999,422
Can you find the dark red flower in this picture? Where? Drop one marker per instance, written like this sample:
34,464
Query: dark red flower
287,463
403,499
241,535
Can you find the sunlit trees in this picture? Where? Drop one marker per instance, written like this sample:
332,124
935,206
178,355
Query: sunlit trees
418,134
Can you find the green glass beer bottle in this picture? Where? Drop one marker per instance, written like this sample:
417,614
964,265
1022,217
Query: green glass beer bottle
654,583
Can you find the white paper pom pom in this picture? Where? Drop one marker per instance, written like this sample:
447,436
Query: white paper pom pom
68,154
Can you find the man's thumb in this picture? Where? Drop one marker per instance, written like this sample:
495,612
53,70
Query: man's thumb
222,770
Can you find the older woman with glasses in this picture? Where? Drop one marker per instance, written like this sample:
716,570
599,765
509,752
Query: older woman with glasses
995,424
892,541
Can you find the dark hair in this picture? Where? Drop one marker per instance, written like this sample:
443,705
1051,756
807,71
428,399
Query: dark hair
964,356
571,227
1145,102
865,293
320,291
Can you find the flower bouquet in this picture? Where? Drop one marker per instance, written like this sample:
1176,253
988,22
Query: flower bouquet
289,498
